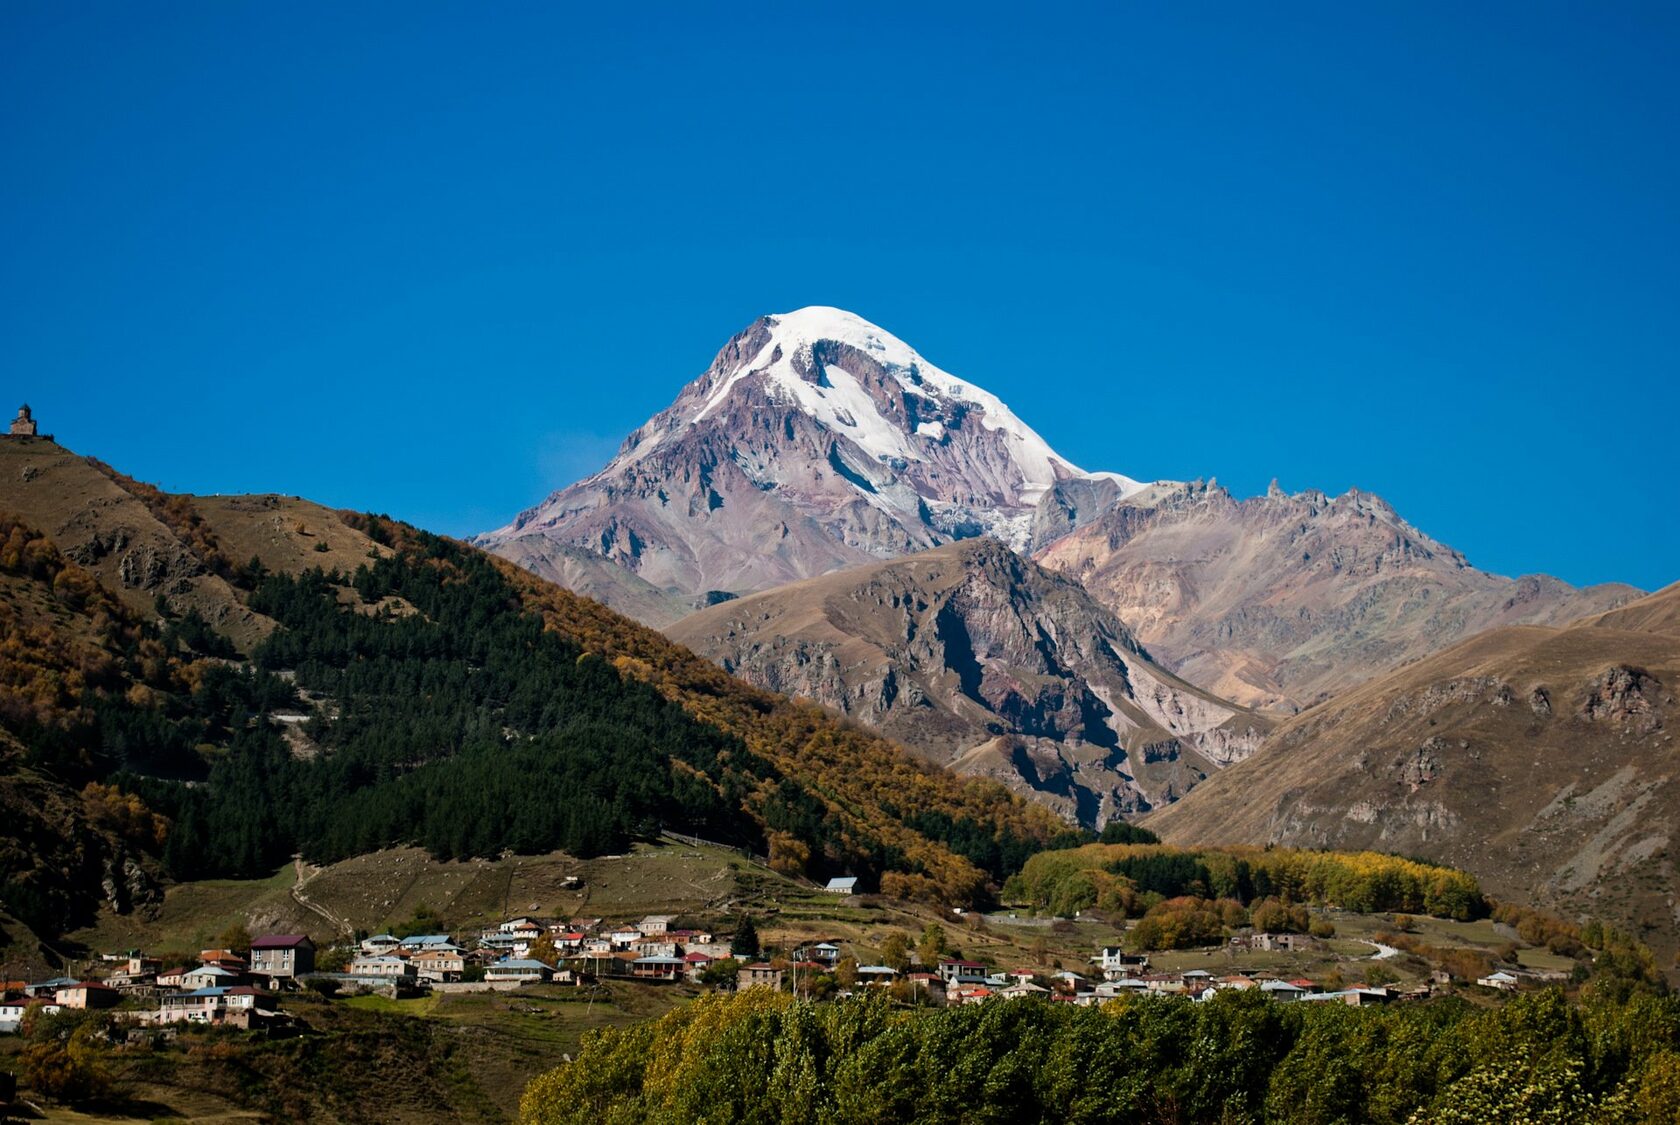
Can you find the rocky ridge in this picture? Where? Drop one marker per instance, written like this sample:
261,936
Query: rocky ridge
978,658
1285,599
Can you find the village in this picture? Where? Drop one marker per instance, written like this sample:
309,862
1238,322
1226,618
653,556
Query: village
242,987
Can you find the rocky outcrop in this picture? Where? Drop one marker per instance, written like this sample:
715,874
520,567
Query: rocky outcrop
1625,697
976,657
1282,600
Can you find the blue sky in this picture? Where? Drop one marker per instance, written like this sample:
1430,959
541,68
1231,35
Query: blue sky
421,260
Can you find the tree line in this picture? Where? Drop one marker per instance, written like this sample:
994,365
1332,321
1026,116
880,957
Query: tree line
1134,878
762,1056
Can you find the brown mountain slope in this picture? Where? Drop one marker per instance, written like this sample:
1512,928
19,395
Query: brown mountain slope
1542,760
142,544
1280,600
975,657
1659,613
594,576
64,846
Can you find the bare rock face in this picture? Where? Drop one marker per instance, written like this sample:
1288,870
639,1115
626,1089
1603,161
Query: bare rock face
814,441
1282,600
977,658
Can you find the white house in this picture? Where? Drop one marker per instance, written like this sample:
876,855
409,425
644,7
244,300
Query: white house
655,947
394,968
962,972
1021,990
657,968
282,956
656,923
208,976
1501,980
842,885
518,970
439,965
1282,990
11,1013
419,943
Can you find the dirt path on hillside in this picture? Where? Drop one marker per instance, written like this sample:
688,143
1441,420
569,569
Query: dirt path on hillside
1384,952
305,873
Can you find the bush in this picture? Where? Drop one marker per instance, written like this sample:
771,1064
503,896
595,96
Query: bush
1183,923
66,1068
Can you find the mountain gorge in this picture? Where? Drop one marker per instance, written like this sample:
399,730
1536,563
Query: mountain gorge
982,660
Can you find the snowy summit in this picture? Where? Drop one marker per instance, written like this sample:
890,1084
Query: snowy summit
814,440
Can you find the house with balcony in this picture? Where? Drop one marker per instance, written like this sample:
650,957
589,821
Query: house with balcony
518,970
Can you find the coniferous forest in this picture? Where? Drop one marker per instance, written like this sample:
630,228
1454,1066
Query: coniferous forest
449,718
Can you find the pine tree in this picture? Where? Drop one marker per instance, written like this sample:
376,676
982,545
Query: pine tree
745,943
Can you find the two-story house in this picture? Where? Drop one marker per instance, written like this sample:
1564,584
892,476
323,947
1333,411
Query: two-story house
282,957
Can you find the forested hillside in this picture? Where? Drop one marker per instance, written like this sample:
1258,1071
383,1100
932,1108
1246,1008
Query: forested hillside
418,691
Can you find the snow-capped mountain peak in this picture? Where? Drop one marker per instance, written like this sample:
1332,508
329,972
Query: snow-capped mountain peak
795,363
815,439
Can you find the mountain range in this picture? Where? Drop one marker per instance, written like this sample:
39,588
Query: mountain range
1283,599
823,514
818,450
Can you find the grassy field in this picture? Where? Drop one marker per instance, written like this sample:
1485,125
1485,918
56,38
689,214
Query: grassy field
376,891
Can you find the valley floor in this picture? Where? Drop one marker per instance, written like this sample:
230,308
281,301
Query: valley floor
466,1056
